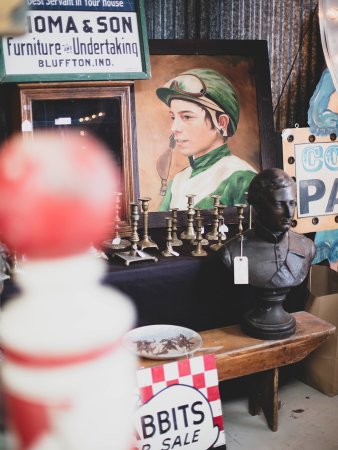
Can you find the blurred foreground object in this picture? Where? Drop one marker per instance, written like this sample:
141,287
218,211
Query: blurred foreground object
12,17
57,193
68,381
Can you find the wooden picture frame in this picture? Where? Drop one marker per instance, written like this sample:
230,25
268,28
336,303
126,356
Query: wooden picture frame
246,65
42,103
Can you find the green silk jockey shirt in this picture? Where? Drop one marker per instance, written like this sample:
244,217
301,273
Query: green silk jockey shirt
218,172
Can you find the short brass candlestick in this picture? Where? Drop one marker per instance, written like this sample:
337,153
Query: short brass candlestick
197,216
176,242
169,249
240,209
117,243
221,236
146,241
199,248
213,233
190,232
134,254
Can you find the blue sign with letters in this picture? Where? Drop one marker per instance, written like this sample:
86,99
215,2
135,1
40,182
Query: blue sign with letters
313,161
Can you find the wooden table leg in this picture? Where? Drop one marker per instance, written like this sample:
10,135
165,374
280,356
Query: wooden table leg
263,395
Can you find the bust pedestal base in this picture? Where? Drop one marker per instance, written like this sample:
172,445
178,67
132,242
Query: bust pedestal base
268,320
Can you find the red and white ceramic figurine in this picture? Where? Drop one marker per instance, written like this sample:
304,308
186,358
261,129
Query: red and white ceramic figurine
68,381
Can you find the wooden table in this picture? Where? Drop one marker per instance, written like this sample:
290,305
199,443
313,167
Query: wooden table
238,354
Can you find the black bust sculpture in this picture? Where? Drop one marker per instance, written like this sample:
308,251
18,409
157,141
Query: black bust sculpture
278,259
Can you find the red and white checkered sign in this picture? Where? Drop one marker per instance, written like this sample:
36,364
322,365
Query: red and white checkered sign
199,372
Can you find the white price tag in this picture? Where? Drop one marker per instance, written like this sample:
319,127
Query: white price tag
202,230
116,241
241,270
223,229
141,253
174,253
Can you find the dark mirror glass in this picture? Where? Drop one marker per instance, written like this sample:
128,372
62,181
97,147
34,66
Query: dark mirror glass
98,116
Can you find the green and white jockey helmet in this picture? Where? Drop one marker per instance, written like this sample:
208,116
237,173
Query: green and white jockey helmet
206,87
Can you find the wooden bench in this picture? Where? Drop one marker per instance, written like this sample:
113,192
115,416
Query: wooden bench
238,354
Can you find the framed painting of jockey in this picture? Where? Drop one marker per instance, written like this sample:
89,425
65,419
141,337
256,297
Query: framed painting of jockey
204,124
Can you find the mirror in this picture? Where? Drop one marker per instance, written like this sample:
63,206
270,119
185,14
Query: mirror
103,109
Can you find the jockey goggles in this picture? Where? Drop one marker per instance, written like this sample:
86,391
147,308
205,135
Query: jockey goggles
190,85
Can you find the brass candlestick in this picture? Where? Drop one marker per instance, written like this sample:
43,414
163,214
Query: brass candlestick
221,236
213,233
176,242
197,216
134,238
169,249
146,241
240,209
134,254
190,232
117,243
250,213
199,248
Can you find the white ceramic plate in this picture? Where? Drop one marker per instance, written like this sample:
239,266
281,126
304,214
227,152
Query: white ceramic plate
162,341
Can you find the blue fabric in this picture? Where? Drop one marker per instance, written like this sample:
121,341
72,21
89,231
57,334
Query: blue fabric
327,246
322,121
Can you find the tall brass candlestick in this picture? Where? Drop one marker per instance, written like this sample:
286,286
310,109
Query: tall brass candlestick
240,209
197,217
169,250
190,232
250,213
134,238
213,233
221,236
117,243
199,248
176,242
117,196
146,241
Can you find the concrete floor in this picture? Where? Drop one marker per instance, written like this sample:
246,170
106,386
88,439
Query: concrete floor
307,420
